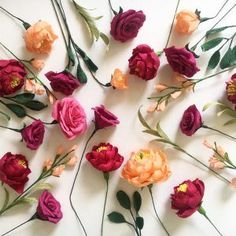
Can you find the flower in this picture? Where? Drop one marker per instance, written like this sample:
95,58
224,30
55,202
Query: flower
32,86
187,197
72,161
39,38
233,182
49,209
231,89
48,164
144,62
146,167
125,25
104,118
105,157
33,134
181,61
215,163
160,87
71,117
191,121
63,82
186,22
207,144
119,80
12,76
14,171
38,64
58,171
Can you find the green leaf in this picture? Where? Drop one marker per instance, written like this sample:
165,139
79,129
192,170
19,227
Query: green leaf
152,132
5,115
18,110
142,120
80,75
139,222
104,38
116,217
161,132
123,199
211,44
214,60
41,186
29,200
137,201
7,197
230,122
209,104
217,30
23,98
229,59
35,105
71,56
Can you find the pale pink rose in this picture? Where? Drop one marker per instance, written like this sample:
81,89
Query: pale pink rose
160,87
72,161
58,171
216,164
33,86
48,164
38,64
71,117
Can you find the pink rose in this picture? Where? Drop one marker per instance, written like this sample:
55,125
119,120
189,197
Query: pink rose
181,61
71,117
63,82
126,25
144,62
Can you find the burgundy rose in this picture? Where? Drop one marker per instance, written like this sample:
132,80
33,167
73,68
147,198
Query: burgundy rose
231,89
105,157
191,121
181,61
33,134
187,197
63,82
144,62
126,25
49,209
104,118
14,171
12,76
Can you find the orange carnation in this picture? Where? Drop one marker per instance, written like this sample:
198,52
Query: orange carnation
146,167
186,22
119,80
39,38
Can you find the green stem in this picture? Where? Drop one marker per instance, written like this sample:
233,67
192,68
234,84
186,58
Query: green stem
12,129
110,5
155,210
137,233
106,177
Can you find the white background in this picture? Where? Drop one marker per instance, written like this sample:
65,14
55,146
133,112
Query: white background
219,199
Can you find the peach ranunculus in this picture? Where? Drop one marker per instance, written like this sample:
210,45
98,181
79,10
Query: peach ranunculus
119,80
38,64
32,86
146,167
186,22
39,38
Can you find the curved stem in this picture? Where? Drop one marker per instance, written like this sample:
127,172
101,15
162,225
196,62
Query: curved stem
12,129
113,11
100,83
46,123
75,178
155,210
127,222
106,177
172,24
218,131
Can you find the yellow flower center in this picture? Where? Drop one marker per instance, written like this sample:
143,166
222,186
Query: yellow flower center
15,82
22,163
141,155
231,90
182,188
102,148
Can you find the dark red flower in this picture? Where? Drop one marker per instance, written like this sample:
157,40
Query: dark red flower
14,171
231,89
105,157
126,25
144,62
191,121
12,76
187,197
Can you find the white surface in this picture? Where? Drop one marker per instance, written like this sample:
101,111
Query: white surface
219,199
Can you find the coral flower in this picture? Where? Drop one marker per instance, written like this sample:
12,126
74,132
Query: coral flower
119,80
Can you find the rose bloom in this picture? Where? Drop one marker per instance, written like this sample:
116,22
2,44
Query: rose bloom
126,25
12,76
14,171
49,209
71,117
186,22
146,167
191,121
39,38
104,118
231,89
32,86
105,157
38,64
144,62
63,82
187,197
33,134
181,61
119,80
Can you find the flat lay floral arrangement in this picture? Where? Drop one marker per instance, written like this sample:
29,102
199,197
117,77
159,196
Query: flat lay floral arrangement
39,105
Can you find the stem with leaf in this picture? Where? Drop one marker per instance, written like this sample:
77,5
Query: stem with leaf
106,177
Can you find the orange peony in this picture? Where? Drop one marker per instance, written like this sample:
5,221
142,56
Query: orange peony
186,22
39,38
146,167
119,80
